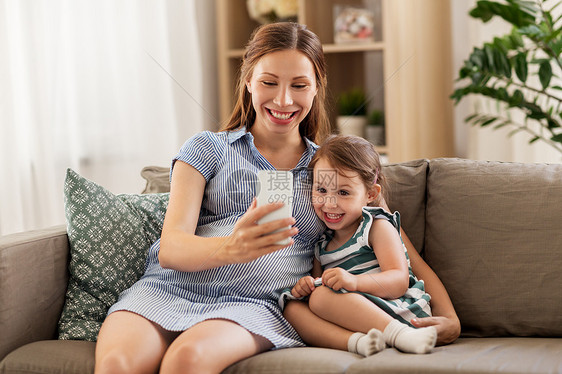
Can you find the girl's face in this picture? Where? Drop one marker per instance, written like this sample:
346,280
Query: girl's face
338,196
283,87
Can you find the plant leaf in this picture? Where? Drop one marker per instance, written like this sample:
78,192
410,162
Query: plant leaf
516,99
471,117
520,65
503,62
552,124
545,73
557,138
489,55
516,38
488,121
516,15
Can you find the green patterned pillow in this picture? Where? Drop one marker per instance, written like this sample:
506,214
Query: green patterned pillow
109,237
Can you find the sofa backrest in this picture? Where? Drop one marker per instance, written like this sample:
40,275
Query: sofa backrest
494,237
406,194
491,231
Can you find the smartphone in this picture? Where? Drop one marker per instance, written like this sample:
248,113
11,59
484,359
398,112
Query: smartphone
276,186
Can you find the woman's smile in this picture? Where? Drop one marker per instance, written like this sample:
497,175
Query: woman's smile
281,117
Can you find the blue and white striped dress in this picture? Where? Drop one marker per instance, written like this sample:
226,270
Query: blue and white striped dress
244,293
357,257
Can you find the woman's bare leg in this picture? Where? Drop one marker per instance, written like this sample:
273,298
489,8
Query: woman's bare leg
129,343
210,347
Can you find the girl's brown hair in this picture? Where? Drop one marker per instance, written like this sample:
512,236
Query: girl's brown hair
279,37
355,154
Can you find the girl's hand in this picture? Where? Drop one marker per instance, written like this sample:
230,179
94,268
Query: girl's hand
338,278
249,240
304,287
448,329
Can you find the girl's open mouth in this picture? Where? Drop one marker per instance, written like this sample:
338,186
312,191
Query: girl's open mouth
332,217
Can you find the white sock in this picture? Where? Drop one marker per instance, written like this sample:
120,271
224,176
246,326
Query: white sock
408,339
366,344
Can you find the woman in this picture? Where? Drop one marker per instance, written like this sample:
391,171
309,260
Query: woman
221,294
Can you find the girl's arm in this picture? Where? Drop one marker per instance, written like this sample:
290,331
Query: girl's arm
182,250
392,281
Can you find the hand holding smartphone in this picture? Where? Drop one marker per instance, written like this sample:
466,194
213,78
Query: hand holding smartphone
276,186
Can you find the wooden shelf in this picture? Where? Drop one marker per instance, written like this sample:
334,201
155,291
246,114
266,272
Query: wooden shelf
405,72
345,48
328,48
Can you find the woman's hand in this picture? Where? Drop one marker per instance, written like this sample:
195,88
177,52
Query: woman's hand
448,329
338,278
304,287
250,240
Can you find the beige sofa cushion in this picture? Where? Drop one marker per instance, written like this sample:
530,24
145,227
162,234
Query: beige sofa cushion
33,281
51,356
77,357
157,179
406,195
493,236
470,356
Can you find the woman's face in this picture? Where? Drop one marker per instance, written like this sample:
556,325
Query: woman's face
283,87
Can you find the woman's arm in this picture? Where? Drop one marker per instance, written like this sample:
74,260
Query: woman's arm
182,250
316,271
444,319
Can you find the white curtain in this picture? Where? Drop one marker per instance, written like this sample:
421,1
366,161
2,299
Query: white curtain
104,87
486,143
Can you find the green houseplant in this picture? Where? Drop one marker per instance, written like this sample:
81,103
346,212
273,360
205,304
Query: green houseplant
375,127
506,70
352,112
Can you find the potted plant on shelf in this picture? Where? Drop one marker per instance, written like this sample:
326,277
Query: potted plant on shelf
517,70
374,132
352,112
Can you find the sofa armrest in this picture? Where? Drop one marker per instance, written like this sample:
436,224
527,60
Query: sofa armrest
33,280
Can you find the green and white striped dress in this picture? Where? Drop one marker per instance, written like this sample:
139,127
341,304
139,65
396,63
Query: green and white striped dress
357,257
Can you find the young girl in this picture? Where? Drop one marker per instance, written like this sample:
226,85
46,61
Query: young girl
361,279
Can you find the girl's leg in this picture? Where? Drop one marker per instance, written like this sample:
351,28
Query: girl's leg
360,314
348,310
129,343
210,347
314,330
319,332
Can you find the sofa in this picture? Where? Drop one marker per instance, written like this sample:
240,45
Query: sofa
492,231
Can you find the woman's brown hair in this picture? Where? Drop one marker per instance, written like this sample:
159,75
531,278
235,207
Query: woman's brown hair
355,154
279,37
